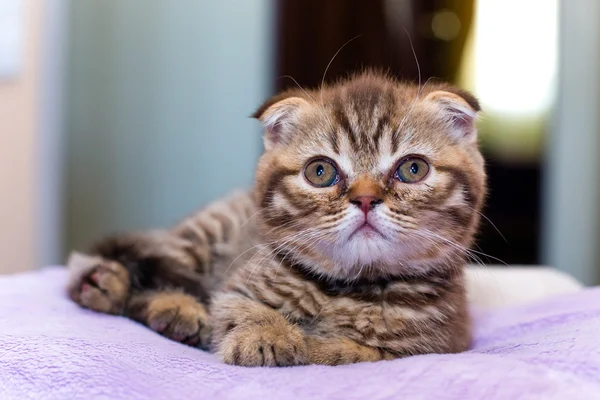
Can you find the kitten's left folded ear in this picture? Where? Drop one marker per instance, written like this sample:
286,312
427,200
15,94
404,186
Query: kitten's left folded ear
460,109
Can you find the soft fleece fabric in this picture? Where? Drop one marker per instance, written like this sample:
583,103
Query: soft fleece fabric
52,349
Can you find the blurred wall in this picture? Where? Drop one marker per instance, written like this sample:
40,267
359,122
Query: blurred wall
18,163
572,186
50,135
159,98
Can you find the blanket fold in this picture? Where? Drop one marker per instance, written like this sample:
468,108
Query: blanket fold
52,349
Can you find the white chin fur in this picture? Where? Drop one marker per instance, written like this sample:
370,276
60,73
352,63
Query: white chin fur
360,248
365,249
362,251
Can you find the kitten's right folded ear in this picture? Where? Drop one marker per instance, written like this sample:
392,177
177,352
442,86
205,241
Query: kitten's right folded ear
279,116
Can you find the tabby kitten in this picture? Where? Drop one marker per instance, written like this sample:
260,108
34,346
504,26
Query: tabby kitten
350,247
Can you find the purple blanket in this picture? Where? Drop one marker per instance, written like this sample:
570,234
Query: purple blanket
51,349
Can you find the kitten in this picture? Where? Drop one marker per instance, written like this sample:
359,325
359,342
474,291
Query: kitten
350,247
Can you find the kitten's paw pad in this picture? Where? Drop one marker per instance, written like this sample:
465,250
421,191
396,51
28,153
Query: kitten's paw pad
179,317
103,288
269,345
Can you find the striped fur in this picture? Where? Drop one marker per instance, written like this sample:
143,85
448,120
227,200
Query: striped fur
286,274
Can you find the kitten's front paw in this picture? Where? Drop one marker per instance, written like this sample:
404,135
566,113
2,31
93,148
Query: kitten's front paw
269,345
103,286
340,350
179,317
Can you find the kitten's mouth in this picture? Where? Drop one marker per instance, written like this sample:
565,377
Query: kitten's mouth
366,230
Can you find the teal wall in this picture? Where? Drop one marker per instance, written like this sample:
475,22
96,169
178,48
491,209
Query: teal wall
159,94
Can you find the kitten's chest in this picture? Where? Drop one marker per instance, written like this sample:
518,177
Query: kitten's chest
375,321
369,313
328,314
374,314
352,318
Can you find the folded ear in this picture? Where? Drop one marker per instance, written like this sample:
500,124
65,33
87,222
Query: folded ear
279,116
460,109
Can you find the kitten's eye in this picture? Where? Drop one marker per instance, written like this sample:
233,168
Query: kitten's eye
412,170
321,173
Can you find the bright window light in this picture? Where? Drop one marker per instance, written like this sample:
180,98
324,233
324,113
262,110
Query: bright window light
515,55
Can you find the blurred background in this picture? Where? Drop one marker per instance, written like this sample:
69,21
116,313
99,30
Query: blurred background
130,114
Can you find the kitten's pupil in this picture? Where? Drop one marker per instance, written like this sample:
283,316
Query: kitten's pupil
320,170
414,168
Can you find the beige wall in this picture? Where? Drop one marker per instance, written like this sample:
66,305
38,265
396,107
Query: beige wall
18,119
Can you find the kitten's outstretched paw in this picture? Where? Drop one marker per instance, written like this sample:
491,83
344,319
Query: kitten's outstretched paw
179,317
100,286
264,345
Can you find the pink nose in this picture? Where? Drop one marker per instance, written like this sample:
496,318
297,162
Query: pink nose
366,203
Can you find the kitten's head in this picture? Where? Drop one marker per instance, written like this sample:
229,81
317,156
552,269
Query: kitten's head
370,176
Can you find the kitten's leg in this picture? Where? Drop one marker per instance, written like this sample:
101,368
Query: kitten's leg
173,314
130,263
135,269
341,350
251,334
105,286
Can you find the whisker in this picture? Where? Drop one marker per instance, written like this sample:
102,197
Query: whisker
491,223
412,48
248,220
459,246
327,69
259,245
419,88
331,61
274,250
